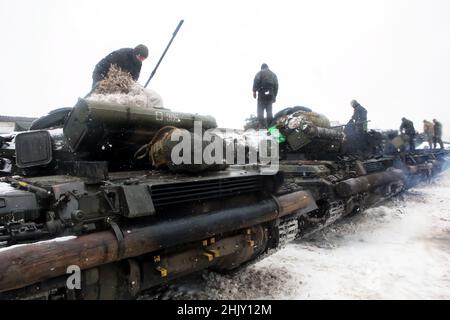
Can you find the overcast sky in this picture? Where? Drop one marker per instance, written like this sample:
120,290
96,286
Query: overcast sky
392,56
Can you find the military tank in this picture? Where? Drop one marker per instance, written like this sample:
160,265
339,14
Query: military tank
81,198
77,197
346,171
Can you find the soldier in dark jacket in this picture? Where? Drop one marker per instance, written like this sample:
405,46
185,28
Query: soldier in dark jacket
359,117
127,59
266,85
407,127
438,134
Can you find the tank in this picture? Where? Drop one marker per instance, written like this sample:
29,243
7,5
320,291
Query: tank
344,170
94,193
92,208
304,134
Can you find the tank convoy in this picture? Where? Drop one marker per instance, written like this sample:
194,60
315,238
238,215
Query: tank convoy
98,194
345,170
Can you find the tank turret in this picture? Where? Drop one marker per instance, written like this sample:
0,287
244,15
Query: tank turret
97,131
306,134
82,179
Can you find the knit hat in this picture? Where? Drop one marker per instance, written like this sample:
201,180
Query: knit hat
141,50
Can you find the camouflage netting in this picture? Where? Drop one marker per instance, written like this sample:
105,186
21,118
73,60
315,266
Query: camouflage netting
117,81
162,145
300,118
119,87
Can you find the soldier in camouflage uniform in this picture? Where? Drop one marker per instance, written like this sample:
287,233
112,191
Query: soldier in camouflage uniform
438,134
428,130
407,127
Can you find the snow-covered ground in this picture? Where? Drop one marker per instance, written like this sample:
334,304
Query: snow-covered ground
400,250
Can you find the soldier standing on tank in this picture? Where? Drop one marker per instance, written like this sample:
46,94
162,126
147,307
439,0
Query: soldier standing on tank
265,88
359,117
127,59
428,130
407,127
438,134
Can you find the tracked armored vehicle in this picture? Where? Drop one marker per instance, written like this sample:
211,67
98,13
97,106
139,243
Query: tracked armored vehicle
344,170
77,198
82,198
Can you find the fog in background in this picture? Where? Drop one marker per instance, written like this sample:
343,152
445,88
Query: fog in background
392,56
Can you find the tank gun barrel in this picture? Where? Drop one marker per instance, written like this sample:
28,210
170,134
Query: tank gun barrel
92,123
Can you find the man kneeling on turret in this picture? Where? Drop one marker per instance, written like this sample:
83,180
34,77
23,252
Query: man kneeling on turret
115,80
127,59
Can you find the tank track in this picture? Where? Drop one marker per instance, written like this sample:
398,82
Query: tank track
288,231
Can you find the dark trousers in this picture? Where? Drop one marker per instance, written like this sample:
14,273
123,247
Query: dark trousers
264,104
438,140
412,143
362,125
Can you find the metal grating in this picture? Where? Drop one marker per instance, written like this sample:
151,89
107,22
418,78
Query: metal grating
373,166
167,194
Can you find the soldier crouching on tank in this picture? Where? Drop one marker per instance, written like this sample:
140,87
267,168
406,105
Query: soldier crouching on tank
127,59
355,130
359,117
266,85
438,134
407,127
428,131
